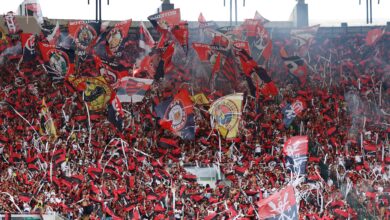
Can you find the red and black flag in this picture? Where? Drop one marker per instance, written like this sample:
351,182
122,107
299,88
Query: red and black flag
181,34
297,68
180,112
281,205
58,157
146,40
116,37
165,20
296,151
84,34
29,42
167,143
373,36
303,38
259,40
59,63
26,197
257,77
115,112
130,89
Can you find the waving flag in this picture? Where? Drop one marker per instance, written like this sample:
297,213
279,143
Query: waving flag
115,37
47,125
259,40
165,20
260,18
281,205
296,150
257,77
54,35
181,33
84,34
115,112
146,40
180,112
226,113
96,91
303,38
203,51
58,62
297,68
28,44
131,89
374,36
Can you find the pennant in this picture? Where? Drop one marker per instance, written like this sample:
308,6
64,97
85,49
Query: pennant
180,112
296,150
165,19
280,205
132,89
58,63
226,112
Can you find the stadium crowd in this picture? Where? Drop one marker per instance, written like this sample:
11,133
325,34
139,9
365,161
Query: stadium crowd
93,170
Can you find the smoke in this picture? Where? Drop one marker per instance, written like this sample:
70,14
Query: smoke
14,50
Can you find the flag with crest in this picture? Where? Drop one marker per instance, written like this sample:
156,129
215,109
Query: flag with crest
180,112
59,63
226,114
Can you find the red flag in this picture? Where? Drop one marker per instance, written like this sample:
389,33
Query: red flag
374,36
146,40
282,204
165,19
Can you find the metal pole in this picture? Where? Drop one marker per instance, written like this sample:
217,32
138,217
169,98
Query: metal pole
97,10
367,11
100,11
231,12
235,5
370,11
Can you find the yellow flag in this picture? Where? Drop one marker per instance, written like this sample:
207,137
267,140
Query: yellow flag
226,114
200,99
47,125
97,92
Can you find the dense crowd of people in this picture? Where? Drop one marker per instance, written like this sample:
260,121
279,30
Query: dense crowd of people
93,170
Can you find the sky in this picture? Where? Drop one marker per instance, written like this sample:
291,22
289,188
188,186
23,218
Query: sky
320,11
